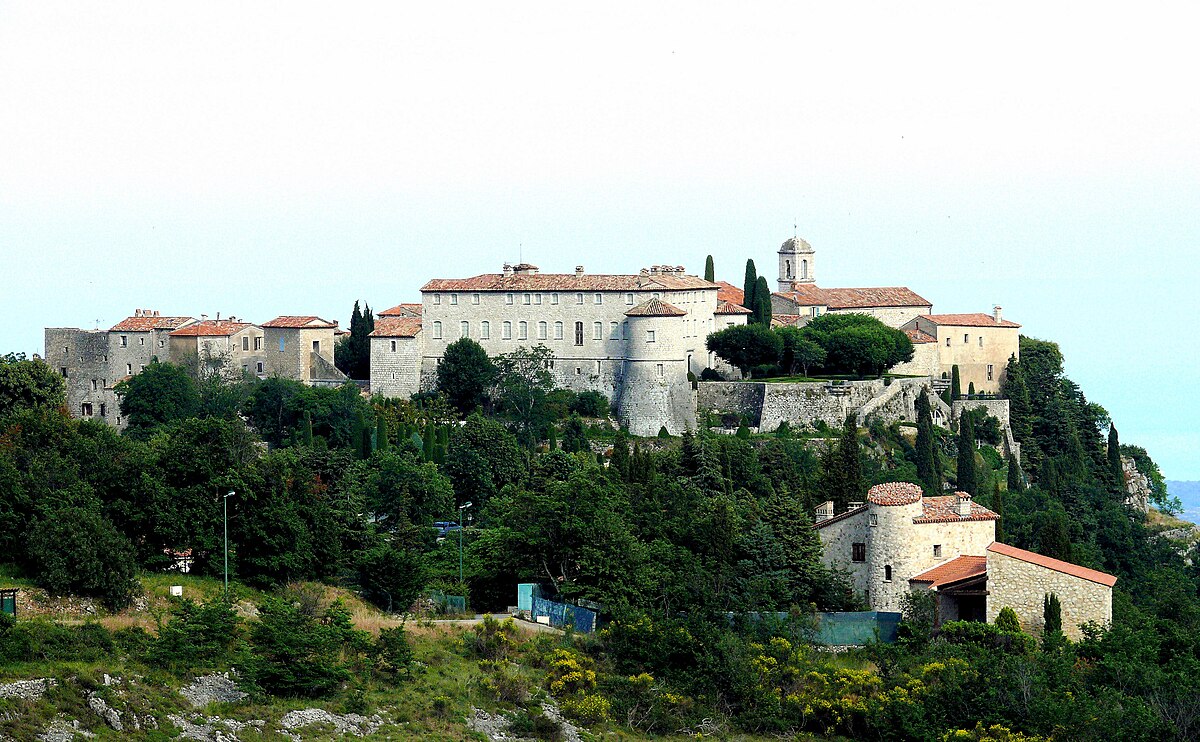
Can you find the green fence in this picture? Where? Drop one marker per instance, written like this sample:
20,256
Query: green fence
8,602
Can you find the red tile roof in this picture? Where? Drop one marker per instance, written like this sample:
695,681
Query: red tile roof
396,327
145,323
727,307
218,328
959,568
307,322
402,310
917,337
1057,565
730,293
808,294
894,493
654,307
568,282
785,320
977,319
944,509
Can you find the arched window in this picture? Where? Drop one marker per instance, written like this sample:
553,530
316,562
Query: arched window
787,268
804,269
485,330
507,330
437,331
558,329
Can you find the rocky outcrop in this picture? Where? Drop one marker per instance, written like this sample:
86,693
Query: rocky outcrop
1136,484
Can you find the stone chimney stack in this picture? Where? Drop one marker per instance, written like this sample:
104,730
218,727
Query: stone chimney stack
507,269
964,504
579,271
824,511
996,314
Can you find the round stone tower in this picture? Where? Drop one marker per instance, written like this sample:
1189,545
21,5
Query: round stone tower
796,263
655,391
891,560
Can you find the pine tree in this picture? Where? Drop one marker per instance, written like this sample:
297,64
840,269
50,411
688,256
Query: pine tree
966,454
928,469
1020,413
844,481
710,271
762,302
749,285
955,384
1116,471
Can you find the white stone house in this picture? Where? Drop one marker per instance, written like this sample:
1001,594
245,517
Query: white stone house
899,541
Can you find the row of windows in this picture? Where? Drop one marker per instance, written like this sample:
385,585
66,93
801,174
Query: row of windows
616,331
858,553
125,343
257,342
966,339
553,298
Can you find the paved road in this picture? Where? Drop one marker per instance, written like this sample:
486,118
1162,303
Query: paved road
528,625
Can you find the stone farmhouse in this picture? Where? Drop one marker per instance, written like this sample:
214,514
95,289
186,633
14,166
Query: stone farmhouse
900,541
92,362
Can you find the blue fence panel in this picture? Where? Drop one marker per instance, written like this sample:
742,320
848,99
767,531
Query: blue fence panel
562,615
526,592
841,629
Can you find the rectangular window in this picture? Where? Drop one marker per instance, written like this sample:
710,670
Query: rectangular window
629,299
437,330
129,369
989,372
558,331
485,330
937,550
659,368
523,329
93,385
649,336
103,409
598,299
142,342
947,342
597,331
553,298
858,552
507,329
464,329
579,370
437,298
474,298
316,346
597,368
161,343
245,343
526,299
966,339
393,346
579,332
508,298
258,343
578,298
280,345
259,367
63,371
453,299
537,299
981,341
614,331
124,341
874,520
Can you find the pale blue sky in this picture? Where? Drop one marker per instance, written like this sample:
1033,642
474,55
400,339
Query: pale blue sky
262,159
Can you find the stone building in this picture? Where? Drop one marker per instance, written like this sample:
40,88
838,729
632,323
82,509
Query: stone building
226,347
979,344
300,347
899,541
633,338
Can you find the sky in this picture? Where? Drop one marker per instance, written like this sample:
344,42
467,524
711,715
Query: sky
259,159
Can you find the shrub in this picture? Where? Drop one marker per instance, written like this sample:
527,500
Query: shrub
198,637
534,725
491,639
299,655
587,709
709,374
393,652
590,404
1007,620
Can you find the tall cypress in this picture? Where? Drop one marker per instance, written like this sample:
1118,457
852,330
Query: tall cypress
381,434
1020,413
1114,459
955,384
749,285
1015,481
928,470
966,454
762,301
849,462
710,271
998,507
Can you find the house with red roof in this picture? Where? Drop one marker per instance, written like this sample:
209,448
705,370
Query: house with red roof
901,542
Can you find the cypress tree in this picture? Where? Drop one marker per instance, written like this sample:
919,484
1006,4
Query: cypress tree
710,271
428,441
381,434
849,462
1051,614
749,285
308,433
762,301
1114,459
1020,414
928,470
955,384
966,454
552,439
971,389
998,507
1015,483
620,455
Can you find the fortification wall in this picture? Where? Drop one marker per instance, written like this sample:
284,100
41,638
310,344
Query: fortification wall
997,408
1023,587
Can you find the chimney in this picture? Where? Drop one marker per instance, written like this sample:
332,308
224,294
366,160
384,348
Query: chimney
996,315
579,271
824,511
854,505
507,269
218,316
964,504
204,318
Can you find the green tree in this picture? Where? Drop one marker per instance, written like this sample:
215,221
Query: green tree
296,654
858,344
28,384
927,460
1116,469
1051,614
746,346
955,384
352,354
1016,482
710,271
965,478
161,393
998,507
762,302
1007,621
1020,414
1054,534
575,437
841,468
465,375
523,380
749,286
77,551
799,352
390,576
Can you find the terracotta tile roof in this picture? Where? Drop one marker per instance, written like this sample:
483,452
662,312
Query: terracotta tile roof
568,282
396,327
977,319
654,307
1057,565
959,568
894,493
402,310
808,294
218,328
307,322
785,320
145,323
730,293
727,307
917,337
944,509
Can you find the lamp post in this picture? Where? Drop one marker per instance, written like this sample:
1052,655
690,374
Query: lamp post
225,502
461,510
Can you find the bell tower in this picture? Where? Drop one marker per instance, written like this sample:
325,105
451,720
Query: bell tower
796,264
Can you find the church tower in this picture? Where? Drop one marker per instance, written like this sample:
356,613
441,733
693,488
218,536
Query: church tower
796,264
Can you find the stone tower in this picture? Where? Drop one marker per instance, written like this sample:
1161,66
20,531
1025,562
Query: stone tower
891,508
796,264
655,392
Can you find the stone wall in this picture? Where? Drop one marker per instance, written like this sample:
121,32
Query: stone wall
395,366
997,408
890,316
1023,586
83,358
837,547
926,361
737,397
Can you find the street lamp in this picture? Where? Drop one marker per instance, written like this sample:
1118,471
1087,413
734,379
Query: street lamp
225,502
461,510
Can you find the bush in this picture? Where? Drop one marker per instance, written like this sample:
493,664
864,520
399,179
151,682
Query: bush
299,655
534,725
590,404
77,551
42,640
587,709
393,653
197,638
491,639
709,374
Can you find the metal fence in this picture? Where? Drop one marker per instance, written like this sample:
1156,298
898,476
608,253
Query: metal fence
563,615
829,629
